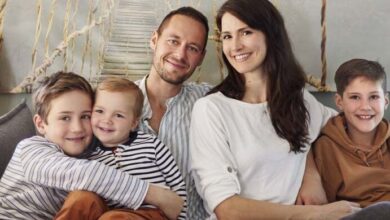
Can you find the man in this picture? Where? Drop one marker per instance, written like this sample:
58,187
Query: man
179,46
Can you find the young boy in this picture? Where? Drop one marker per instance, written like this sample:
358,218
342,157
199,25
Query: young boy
352,153
115,117
44,169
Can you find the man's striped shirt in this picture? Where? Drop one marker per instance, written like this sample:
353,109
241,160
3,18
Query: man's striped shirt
174,133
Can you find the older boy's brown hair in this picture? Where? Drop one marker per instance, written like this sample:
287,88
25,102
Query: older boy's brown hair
355,68
50,87
117,84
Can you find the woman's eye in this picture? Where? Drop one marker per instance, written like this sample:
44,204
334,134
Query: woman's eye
225,37
246,33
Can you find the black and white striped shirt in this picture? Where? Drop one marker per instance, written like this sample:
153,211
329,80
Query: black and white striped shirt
145,157
39,177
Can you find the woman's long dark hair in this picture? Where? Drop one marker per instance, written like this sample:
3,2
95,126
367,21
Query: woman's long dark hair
285,77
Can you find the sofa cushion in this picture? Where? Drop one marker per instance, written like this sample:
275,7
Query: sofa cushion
15,125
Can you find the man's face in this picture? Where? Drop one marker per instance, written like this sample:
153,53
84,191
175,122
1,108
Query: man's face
178,49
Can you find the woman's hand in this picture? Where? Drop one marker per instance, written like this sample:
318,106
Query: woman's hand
335,210
311,192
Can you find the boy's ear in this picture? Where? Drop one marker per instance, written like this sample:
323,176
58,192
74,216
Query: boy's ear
135,123
386,100
153,40
339,101
39,124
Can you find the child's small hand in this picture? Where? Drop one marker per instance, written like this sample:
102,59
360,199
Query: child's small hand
172,204
169,202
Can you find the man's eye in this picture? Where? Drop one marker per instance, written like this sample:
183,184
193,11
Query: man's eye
194,49
173,42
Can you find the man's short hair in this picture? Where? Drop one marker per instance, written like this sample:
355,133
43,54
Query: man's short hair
189,12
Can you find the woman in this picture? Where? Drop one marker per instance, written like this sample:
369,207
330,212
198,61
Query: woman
250,136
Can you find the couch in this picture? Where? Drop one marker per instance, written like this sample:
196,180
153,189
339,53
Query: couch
15,125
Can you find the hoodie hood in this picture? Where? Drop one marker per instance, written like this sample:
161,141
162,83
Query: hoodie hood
336,131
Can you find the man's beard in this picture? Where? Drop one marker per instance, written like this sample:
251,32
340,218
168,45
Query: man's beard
163,73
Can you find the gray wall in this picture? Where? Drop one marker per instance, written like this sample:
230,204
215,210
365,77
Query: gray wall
355,28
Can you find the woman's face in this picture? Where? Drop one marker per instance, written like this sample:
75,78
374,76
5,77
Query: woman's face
244,47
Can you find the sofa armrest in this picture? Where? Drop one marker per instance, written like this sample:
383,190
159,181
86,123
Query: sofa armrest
15,125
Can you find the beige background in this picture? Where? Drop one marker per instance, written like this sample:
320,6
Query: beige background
356,28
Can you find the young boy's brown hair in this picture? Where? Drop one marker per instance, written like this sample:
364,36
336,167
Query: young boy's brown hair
49,88
116,84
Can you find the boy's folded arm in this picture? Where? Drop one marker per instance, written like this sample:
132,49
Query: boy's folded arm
44,164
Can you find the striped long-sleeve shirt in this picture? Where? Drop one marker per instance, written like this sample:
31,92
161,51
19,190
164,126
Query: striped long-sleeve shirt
39,177
145,157
174,133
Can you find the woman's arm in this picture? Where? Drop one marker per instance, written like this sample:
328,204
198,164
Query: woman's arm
237,207
311,192
213,167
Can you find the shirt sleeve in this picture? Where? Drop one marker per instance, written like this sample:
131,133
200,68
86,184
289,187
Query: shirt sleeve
45,164
319,115
172,175
211,161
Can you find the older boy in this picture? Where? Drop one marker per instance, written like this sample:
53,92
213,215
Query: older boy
352,152
43,169
115,117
